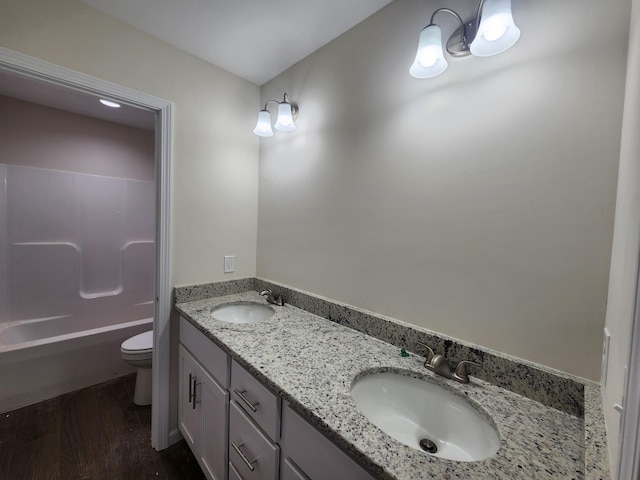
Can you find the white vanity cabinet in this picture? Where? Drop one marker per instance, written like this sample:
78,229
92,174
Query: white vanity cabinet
239,429
203,413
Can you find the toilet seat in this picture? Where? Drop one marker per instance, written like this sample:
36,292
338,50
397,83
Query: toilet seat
138,345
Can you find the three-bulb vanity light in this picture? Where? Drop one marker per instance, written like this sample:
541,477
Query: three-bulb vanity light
287,114
492,31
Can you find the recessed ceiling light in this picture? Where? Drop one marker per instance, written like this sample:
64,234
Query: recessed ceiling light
109,103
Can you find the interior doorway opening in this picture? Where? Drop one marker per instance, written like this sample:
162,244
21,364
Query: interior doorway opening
80,92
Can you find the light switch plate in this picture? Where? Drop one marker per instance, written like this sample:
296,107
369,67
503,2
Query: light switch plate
228,263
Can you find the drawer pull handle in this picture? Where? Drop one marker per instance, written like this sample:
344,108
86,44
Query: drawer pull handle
244,459
193,380
193,404
240,394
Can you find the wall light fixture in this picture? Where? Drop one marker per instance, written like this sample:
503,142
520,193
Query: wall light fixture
492,31
287,114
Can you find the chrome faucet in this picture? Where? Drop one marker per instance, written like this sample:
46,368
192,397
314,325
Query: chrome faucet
273,298
439,365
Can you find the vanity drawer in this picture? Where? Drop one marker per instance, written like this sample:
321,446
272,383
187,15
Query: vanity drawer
212,357
290,471
260,403
313,454
251,453
233,473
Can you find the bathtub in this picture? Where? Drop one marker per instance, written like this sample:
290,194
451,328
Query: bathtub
46,357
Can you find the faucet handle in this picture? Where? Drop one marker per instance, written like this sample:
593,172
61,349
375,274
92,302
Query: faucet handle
461,370
273,298
278,300
429,355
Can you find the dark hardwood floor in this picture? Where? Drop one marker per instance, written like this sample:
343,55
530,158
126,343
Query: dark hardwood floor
94,433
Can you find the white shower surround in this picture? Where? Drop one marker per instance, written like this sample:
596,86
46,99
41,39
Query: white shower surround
79,253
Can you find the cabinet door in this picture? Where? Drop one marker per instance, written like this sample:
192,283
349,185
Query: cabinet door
215,415
189,411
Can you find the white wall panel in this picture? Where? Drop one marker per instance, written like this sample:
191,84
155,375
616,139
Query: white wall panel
78,242
100,233
41,205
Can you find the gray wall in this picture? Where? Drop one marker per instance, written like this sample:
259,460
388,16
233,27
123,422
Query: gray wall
478,204
37,136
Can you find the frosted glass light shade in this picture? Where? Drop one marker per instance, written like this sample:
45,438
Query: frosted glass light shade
263,127
284,122
430,59
497,32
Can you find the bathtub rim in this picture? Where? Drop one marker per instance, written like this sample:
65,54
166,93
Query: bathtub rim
18,352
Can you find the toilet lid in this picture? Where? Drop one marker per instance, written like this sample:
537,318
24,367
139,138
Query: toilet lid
140,342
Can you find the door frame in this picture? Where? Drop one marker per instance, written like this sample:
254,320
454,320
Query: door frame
31,67
629,460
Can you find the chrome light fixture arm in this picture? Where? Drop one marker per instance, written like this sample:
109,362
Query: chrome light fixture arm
294,107
457,45
270,101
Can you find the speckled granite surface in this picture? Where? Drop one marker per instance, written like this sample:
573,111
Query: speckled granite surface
189,293
595,436
547,386
312,363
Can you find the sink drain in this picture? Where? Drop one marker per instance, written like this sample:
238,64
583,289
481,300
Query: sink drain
428,446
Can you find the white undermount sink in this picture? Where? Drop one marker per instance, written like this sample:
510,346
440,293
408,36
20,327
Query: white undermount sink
411,410
242,312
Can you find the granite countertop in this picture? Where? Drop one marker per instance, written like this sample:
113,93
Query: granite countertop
312,363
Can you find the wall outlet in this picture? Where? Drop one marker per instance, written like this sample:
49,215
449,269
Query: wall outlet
605,356
228,263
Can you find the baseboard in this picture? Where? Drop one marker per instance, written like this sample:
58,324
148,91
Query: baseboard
174,436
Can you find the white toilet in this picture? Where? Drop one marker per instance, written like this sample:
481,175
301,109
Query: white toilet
137,351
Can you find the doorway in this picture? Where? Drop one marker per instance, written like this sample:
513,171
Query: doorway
72,82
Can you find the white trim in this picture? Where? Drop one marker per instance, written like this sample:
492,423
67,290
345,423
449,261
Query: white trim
161,327
31,67
629,461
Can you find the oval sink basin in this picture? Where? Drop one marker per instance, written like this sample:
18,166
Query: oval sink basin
416,412
242,313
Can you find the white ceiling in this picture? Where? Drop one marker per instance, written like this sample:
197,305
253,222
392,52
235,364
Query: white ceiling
54,96
255,39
